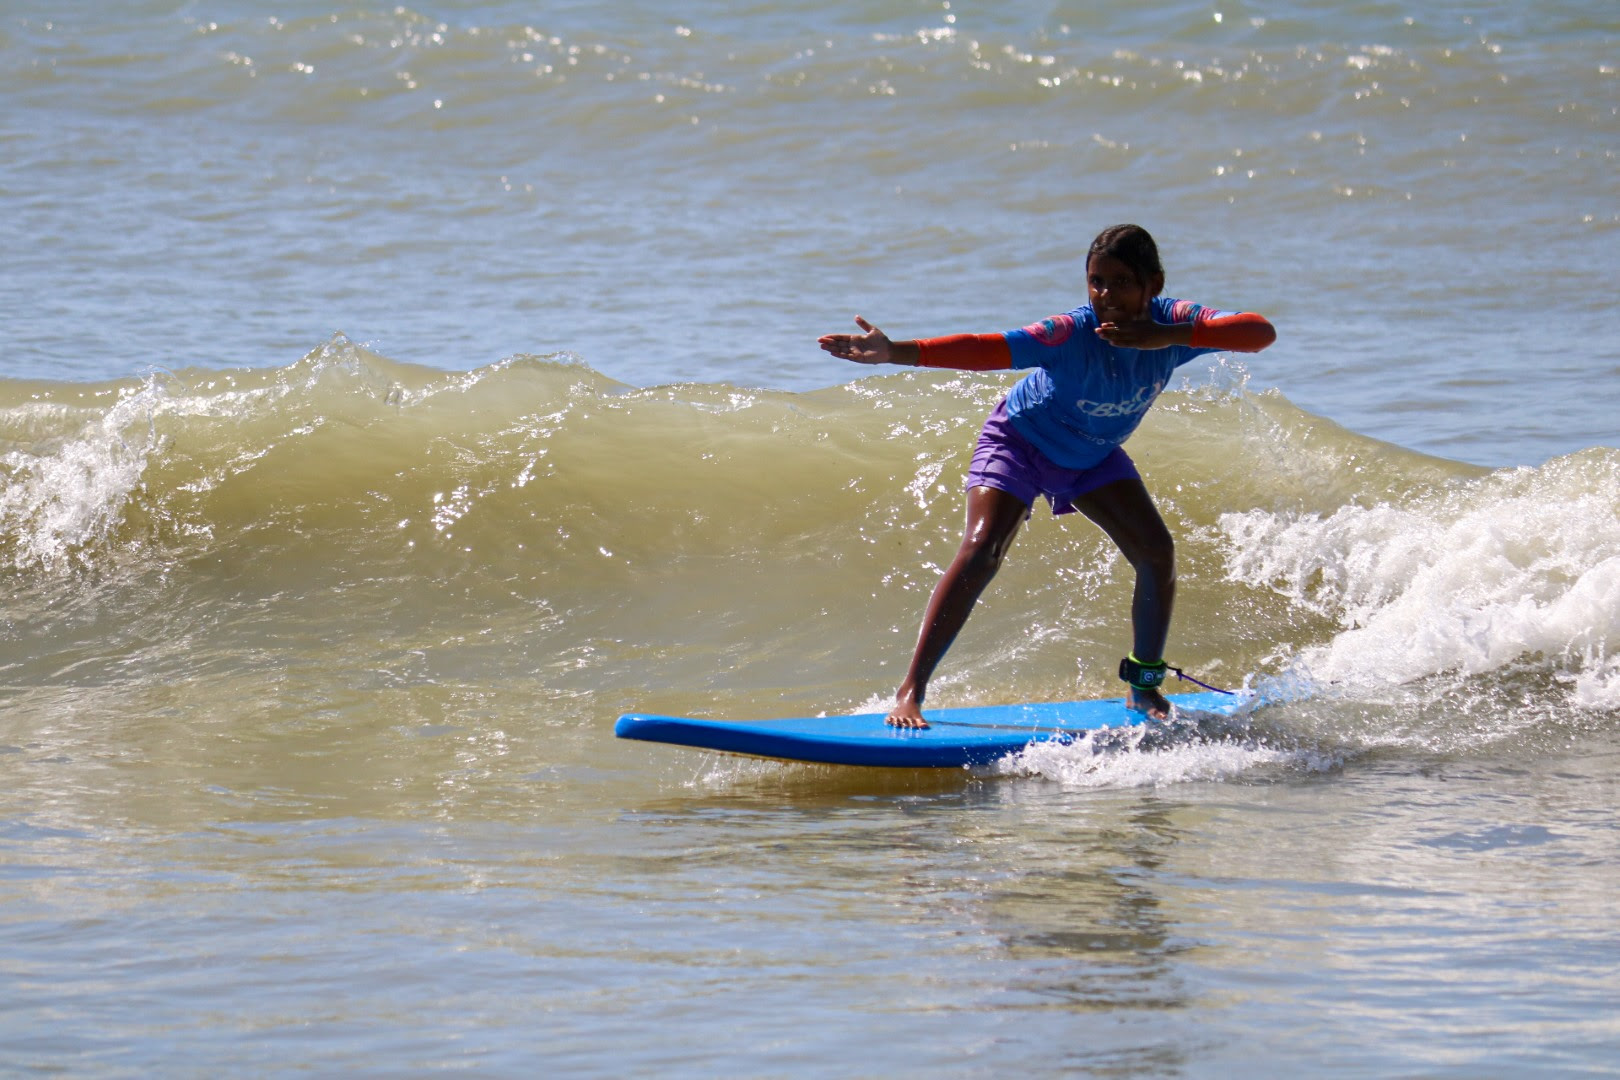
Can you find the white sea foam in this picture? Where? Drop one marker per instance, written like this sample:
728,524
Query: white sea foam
1519,568
56,501
1151,756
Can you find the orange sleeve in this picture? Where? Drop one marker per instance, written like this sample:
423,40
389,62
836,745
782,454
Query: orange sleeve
1241,331
965,352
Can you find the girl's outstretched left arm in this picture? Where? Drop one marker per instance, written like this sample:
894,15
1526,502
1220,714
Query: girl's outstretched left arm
1232,331
1229,331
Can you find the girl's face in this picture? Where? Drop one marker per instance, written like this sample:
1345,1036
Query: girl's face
1117,294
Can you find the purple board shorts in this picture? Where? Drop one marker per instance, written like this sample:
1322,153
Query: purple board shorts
1006,461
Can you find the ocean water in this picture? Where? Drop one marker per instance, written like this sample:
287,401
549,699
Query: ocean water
392,396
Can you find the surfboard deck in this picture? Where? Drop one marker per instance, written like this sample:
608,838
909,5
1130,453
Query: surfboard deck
956,737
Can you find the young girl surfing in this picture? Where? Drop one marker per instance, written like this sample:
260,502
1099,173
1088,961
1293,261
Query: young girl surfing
1095,372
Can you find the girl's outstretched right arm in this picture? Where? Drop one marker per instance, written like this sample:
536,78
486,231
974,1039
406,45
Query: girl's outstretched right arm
872,347
963,352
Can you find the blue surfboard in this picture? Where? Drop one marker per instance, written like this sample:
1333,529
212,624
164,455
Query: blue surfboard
957,737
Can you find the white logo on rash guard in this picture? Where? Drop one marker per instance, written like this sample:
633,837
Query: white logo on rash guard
1140,403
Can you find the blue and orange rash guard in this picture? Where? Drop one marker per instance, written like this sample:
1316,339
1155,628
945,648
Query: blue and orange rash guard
1085,396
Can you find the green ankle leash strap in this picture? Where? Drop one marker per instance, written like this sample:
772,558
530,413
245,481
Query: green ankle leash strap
1143,676
1151,676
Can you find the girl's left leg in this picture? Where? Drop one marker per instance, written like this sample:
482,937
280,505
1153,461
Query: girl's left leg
1125,511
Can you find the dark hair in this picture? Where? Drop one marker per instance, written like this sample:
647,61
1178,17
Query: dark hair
1131,245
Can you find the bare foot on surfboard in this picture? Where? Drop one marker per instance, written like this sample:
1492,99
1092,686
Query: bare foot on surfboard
906,712
1150,703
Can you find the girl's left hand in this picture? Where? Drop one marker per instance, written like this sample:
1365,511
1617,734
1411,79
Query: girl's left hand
1139,334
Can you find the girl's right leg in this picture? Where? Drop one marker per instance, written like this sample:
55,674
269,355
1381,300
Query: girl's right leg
993,517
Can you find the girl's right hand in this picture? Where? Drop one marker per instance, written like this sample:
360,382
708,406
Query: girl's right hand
872,347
